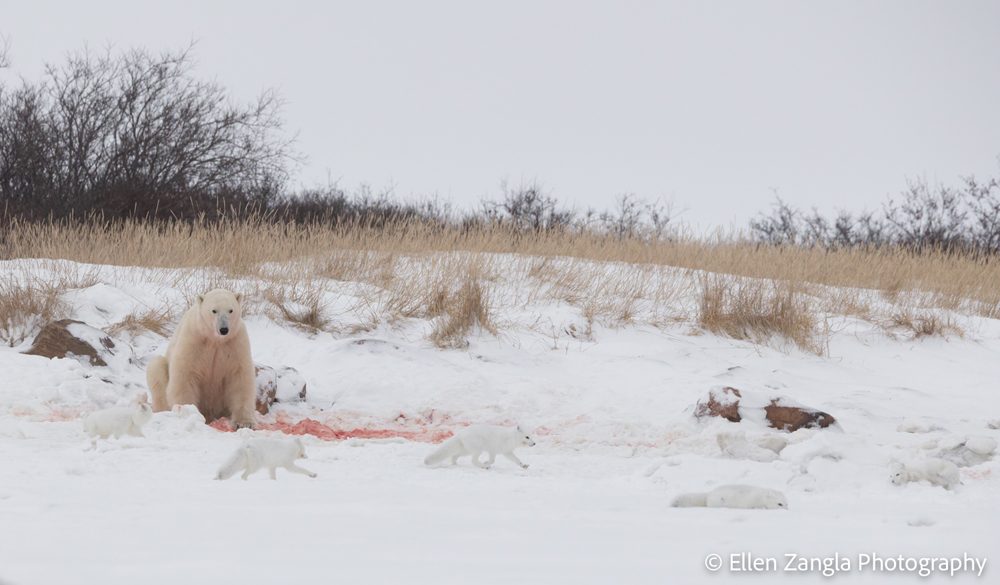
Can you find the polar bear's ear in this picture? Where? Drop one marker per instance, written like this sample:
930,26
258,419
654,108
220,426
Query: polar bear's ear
239,298
201,299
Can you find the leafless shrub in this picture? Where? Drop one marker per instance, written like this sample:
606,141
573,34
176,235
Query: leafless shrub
923,217
634,218
527,208
135,134
928,217
5,56
984,201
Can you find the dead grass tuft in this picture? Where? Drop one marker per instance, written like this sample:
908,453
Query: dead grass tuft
25,308
921,324
157,321
461,312
756,310
303,309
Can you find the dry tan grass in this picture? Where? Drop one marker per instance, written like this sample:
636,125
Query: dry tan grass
25,308
756,310
139,321
413,270
916,324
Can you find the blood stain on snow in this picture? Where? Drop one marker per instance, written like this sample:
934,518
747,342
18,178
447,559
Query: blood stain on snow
308,426
978,474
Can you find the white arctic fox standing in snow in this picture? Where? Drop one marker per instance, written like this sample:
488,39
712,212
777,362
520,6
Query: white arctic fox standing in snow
937,471
475,439
123,420
734,496
256,454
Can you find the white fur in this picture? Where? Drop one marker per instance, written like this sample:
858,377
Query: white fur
936,471
208,362
475,439
734,496
257,454
123,420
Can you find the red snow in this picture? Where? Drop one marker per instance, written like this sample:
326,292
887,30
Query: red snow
55,414
308,426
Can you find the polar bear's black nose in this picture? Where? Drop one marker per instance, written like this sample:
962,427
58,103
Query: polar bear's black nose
224,330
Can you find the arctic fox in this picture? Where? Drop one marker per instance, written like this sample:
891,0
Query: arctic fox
734,496
256,454
937,471
123,420
475,439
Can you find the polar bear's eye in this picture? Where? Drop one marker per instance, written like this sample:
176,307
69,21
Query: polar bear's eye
214,311
230,310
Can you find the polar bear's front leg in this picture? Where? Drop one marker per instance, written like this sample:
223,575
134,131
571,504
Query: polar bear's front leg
157,377
241,398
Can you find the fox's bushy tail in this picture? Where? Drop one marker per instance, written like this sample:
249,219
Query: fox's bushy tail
692,500
236,462
447,450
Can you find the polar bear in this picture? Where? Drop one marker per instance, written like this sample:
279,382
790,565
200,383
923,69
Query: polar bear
208,362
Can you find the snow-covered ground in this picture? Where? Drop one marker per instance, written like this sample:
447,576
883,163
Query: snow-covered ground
616,442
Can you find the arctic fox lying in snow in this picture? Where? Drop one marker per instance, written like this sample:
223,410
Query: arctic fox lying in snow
475,439
937,471
256,454
734,496
123,420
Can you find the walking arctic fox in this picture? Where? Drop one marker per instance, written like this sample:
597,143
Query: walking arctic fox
123,420
256,454
475,439
734,496
937,471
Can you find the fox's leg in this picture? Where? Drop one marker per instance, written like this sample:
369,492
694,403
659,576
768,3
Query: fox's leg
246,473
493,457
273,472
476,462
454,460
514,458
122,428
296,469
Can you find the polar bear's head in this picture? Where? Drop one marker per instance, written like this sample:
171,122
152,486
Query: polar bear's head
220,311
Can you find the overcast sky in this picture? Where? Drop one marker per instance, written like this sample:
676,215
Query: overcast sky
715,105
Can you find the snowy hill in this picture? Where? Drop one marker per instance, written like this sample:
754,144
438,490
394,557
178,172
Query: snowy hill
616,441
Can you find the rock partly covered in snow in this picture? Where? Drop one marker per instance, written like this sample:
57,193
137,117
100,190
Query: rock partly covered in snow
966,451
284,384
779,412
70,338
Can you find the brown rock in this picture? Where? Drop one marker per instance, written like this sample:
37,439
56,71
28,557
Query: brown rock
793,418
56,341
721,402
782,413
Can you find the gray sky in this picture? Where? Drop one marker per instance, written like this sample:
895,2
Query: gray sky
716,105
